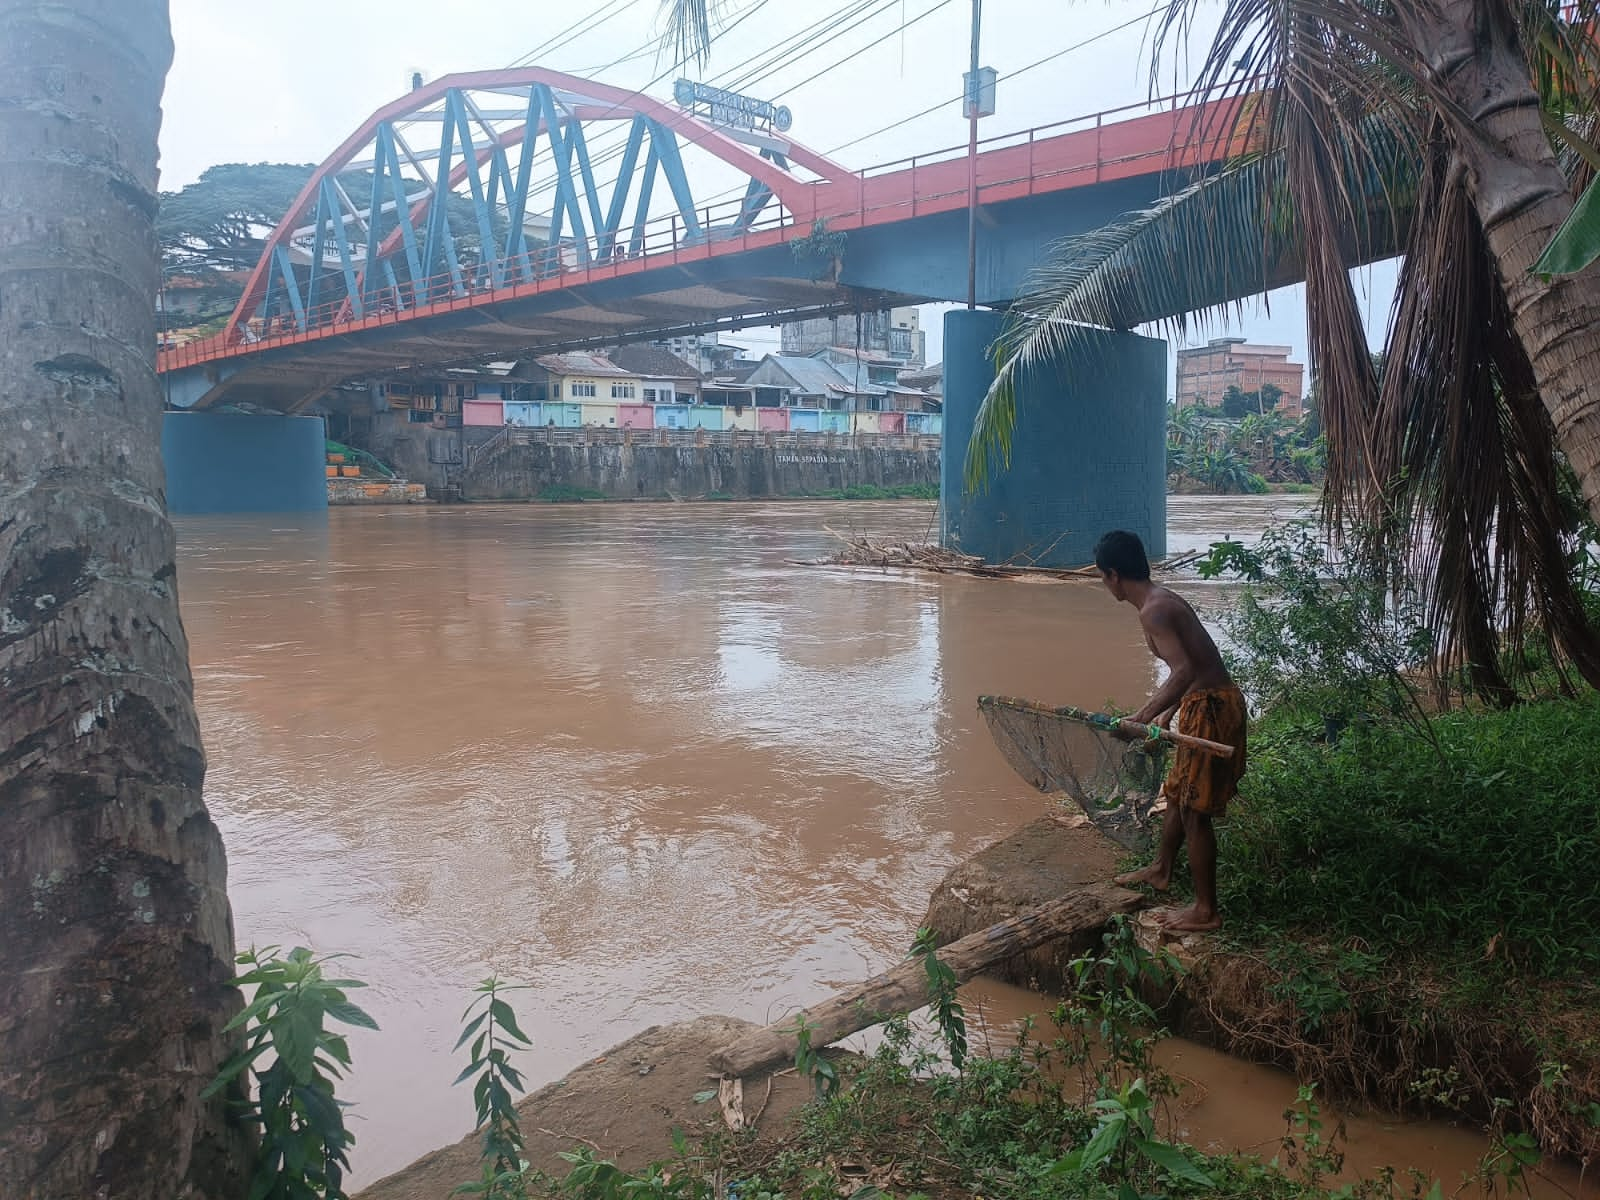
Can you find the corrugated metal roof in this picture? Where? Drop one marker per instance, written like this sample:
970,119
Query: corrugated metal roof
582,364
868,357
645,359
813,376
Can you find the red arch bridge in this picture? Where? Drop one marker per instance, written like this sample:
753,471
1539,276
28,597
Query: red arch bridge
477,217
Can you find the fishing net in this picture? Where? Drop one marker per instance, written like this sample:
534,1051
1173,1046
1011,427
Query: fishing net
1116,783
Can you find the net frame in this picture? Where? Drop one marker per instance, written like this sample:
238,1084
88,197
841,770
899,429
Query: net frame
1113,780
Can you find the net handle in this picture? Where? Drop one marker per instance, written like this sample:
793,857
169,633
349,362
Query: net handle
1102,720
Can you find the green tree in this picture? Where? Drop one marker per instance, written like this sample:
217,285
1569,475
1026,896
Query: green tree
117,943
223,219
1235,403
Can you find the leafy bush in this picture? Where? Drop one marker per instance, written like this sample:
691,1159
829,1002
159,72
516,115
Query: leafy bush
1315,632
305,1147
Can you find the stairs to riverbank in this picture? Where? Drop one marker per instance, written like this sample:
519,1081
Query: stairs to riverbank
352,481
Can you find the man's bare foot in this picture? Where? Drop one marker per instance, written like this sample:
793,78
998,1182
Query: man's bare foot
1188,920
1152,876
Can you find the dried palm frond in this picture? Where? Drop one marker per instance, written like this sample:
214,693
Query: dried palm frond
1471,499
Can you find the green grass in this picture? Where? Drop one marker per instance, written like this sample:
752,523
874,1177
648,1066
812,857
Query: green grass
872,491
565,493
1491,840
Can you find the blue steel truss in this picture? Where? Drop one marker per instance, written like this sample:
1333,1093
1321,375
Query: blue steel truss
424,233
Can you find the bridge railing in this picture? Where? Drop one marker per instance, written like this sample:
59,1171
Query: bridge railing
529,435
1068,153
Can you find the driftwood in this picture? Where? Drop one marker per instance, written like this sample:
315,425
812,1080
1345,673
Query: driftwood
904,988
860,551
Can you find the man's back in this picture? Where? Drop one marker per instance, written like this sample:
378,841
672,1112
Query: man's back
1165,611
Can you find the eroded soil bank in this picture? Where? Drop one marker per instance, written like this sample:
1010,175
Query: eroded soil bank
1357,1050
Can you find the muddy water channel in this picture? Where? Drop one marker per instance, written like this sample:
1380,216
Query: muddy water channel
626,754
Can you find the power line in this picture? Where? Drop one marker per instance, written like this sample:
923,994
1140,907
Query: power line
838,20
1089,41
591,21
785,50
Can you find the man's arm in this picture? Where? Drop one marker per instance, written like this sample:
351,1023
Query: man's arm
1162,629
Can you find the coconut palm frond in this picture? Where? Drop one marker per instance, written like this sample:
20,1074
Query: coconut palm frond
1563,56
1467,457
1191,253
1193,256
688,28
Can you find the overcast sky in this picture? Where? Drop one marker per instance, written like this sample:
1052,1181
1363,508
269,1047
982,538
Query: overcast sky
290,82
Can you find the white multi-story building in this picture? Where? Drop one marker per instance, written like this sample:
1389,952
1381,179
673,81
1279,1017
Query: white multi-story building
894,333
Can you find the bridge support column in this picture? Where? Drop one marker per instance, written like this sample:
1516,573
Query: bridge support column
244,463
1088,454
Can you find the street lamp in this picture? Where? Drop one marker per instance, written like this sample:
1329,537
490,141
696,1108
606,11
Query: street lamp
977,94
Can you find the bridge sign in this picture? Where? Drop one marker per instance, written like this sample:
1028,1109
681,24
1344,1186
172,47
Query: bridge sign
722,107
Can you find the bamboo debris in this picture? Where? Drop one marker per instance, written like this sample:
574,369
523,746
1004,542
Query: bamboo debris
862,551
904,988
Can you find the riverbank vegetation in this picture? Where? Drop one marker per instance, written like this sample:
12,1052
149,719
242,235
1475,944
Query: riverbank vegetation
1407,874
1243,447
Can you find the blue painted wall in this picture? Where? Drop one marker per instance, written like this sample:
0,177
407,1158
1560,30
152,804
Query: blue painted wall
238,463
1089,453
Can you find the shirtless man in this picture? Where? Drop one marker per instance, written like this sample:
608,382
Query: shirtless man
1208,704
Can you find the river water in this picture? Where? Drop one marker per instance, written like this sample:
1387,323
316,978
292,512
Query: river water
628,755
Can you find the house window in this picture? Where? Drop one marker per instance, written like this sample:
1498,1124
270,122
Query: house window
582,389
555,390
649,395
622,391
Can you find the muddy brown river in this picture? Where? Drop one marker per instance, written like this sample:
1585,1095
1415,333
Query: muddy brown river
627,755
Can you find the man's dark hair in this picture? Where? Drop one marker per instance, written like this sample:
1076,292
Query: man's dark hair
1122,552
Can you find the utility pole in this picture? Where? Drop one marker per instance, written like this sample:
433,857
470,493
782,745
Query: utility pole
973,94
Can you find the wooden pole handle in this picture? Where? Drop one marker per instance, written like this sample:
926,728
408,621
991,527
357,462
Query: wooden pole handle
1220,749
1100,720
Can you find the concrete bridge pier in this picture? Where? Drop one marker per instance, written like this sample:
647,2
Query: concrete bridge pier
243,463
1088,454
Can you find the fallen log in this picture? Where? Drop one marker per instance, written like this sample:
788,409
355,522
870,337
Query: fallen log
904,988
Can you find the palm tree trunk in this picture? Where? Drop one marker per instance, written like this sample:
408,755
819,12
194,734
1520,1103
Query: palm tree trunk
1522,198
116,939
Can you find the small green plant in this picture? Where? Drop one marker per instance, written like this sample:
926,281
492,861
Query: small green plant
942,984
1115,982
1305,1149
1126,1130
809,1062
491,1026
596,1178
821,245
305,1147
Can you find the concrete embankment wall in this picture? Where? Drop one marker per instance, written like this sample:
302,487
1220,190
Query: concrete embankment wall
518,472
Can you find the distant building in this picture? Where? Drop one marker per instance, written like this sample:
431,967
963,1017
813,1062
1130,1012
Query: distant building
702,351
1206,372
835,381
591,381
799,381
892,333
929,381
664,377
